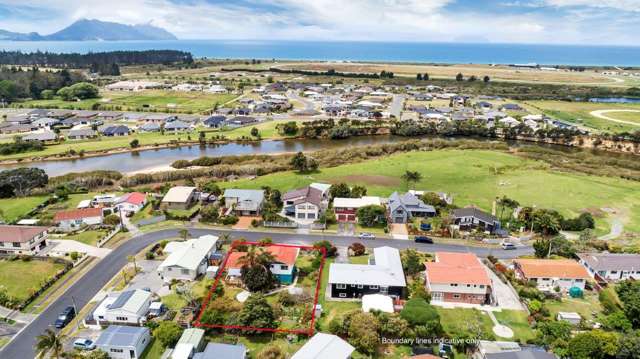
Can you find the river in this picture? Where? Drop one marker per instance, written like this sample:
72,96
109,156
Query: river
149,159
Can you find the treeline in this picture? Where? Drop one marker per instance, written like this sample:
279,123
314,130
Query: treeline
16,82
331,72
77,60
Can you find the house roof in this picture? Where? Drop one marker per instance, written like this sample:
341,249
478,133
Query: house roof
523,354
611,261
178,194
77,214
340,202
177,124
115,129
248,199
409,202
386,270
121,336
40,136
131,300
136,198
282,254
324,346
306,194
19,233
551,268
190,253
464,268
82,132
220,350
192,336
474,212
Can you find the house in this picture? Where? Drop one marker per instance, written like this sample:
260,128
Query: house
552,273
127,308
22,239
103,200
131,202
75,219
240,121
383,275
509,350
187,260
447,198
110,115
473,218
81,134
124,342
346,209
116,130
149,127
324,346
220,350
284,266
215,121
191,342
244,202
177,126
458,278
46,122
612,267
133,85
305,203
179,197
511,107
402,208
45,136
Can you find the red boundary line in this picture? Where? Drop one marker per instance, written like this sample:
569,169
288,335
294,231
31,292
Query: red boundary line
308,331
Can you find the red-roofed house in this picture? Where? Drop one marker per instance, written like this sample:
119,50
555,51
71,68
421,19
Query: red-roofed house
76,218
458,277
551,273
284,266
131,202
22,239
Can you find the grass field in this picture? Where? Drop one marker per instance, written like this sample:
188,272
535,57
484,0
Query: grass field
160,100
473,177
14,208
21,278
87,237
267,130
580,113
584,306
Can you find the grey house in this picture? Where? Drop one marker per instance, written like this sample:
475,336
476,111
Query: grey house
402,208
124,342
472,218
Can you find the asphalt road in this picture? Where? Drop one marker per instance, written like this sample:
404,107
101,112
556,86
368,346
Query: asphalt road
85,288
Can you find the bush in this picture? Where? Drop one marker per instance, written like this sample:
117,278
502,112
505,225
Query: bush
112,220
330,249
81,90
229,220
74,256
357,249
168,333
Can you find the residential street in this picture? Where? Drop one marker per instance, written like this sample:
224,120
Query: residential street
86,287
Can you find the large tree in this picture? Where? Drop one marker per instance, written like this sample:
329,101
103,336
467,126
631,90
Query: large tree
257,313
370,216
50,343
168,333
21,181
594,344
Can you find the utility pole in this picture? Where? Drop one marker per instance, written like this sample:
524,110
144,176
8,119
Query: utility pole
75,309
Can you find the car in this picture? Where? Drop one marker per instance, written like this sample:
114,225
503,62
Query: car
84,344
65,317
508,245
366,235
423,239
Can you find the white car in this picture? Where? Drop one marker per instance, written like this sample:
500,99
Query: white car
508,245
84,344
366,235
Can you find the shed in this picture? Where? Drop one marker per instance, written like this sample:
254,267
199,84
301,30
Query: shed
379,302
571,317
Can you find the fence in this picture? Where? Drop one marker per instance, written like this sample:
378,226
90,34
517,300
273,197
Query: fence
281,224
110,235
152,220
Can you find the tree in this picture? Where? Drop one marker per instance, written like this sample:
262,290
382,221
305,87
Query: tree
425,77
302,163
419,77
96,354
209,214
81,91
546,222
411,262
21,181
289,128
550,331
257,313
212,187
392,326
255,132
8,91
629,293
357,249
330,249
258,278
629,346
506,202
434,199
358,191
486,79
183,233
112,220
459,76
168,333
50,342
271,352
370,216
411,177
135,143
363,332
595,344
340,190
418,312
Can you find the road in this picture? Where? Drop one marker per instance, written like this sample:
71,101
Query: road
86,287
397,105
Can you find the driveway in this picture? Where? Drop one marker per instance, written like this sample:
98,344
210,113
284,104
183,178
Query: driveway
65,246
148,277
399,231
243,223
507,298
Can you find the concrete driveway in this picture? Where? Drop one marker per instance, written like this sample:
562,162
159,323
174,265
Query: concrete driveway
506,297
66,246
399,231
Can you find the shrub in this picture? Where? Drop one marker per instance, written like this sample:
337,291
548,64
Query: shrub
168,333
357,249
229,220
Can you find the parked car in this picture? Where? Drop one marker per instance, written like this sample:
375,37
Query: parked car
65,317
84,344
508,245
366,235
423,239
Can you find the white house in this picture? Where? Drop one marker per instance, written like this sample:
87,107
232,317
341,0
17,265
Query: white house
324,346
306,203
127,308
611,266
551,273
179,197
187,260
131,202
22,239
124,342
75,219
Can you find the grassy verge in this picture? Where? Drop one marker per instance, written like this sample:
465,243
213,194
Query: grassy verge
14,208
22,278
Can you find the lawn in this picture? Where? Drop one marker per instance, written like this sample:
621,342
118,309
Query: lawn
517,321
586,306
153,351
14,208
364,259
159,100
21,278
87,237
580,113
473,177
174,301
465,320
266,129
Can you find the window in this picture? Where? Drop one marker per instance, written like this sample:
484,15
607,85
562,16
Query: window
454,284
341,286
342,295
481,285
456,296
16,244
360,286
184,271
284,267
468,285
375,287
122,319
114,350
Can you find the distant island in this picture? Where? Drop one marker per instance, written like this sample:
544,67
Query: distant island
92,30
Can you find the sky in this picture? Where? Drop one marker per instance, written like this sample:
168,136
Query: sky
512,21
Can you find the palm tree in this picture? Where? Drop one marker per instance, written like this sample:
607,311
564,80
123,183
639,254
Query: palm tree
184,233
411,176
250,258
50,341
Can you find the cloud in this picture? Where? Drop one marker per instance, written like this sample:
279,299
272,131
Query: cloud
552,21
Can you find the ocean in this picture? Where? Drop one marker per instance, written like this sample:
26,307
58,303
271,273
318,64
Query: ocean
459,53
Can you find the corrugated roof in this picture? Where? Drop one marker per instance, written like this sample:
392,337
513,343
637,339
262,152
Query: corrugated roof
387,270
552,268
324,346
460,268
131,301
19,233
178,194
340,202
219,351
191,253
612,261
121,336
77,214
282,254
